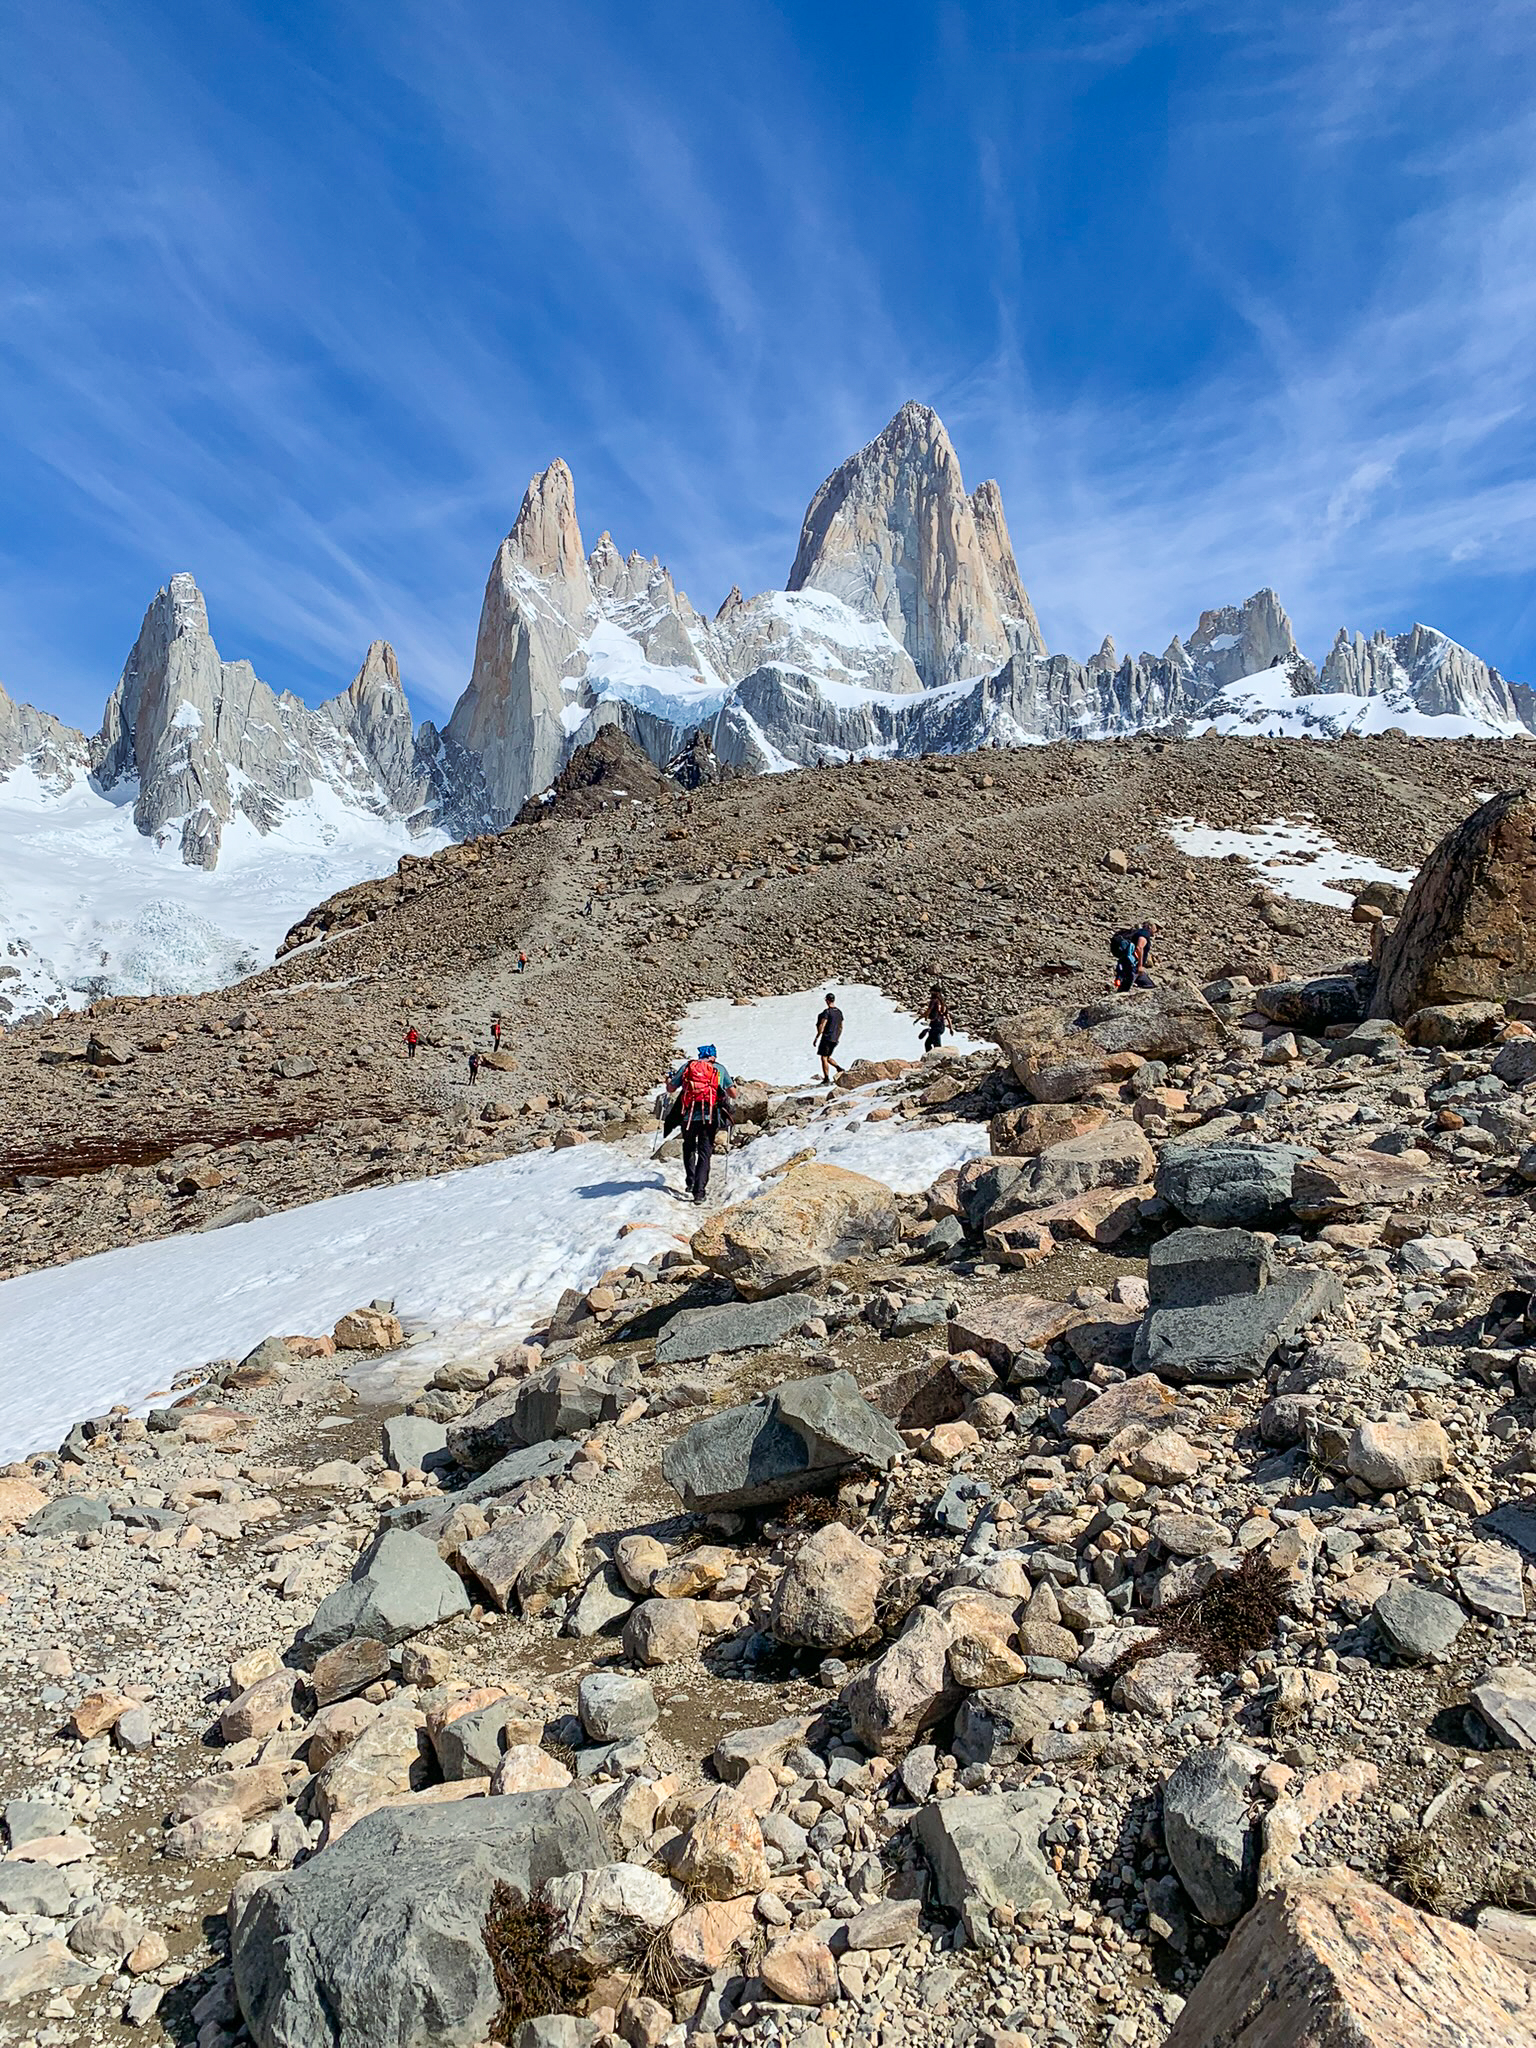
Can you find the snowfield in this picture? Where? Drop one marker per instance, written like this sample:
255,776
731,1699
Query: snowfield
772,1038
472,1256
1294,859
1264,704
89,906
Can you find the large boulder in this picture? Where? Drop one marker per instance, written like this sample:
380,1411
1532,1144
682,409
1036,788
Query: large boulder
997,1722
560,1401
1235,1337
1313,1005
1114,1155
906,1689
1223,1181
695,1333
985,1852
399,1586
1057,1055
1330,1961
1190,1267
794,1234
1468,930
826,1596
378,1942
1027,1130
803,1436
1210,1835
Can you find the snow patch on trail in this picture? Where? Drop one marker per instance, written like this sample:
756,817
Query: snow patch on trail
1295,859
772,1038
470,1254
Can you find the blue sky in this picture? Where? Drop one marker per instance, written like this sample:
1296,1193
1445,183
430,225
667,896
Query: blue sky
298,296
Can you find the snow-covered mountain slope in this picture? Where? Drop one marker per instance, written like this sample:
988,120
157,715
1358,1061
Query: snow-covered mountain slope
1266,703
92,906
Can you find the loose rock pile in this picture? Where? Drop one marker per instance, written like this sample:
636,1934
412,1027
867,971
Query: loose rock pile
1087,1603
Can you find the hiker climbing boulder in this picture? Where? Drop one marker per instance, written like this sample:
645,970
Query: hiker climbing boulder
1468,930
794,1234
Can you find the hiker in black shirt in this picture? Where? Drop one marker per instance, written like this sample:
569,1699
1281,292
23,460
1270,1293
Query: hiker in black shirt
829,1030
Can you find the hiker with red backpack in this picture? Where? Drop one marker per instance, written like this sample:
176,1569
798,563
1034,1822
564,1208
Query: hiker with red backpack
703,1096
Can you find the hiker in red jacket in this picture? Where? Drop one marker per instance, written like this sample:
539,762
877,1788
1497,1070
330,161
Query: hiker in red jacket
703,1099
412,1040
496,1033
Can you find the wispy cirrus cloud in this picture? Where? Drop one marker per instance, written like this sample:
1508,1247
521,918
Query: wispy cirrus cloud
1223,295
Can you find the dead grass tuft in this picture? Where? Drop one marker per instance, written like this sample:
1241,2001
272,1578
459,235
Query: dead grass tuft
530,1982
1228,1620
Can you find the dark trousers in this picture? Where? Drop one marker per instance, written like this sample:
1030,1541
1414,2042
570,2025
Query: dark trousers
698,1154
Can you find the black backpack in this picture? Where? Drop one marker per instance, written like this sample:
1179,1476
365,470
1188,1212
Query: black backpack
1122,944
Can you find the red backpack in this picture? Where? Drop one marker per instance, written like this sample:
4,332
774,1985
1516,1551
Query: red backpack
701,1086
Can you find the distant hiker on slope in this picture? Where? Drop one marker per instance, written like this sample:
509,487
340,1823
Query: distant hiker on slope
474,1069
829,1031
412,1040
496,1033
703,1098
1131,948
522,961
938,1019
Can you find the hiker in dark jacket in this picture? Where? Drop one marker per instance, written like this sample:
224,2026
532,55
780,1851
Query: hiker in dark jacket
829,1031
474,1069
939,1020
703,1098
1132,950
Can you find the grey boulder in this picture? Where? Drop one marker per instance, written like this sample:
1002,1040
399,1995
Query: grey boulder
34,1888
1190,1267
804,1435
984,1851
414,1443
559,1402
1224,1181
1207,1830
399,1586
603,1603
614,1705
1420,1626
997,1722
73,1514
1234,1338
1506,1699
734,1326
1312,1005
377,1942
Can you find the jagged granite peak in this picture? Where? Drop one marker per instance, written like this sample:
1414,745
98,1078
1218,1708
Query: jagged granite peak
203,740
55,752
530,641
1425,668
373,713
1002,567
893,533
1107,660
1244,640
545,535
